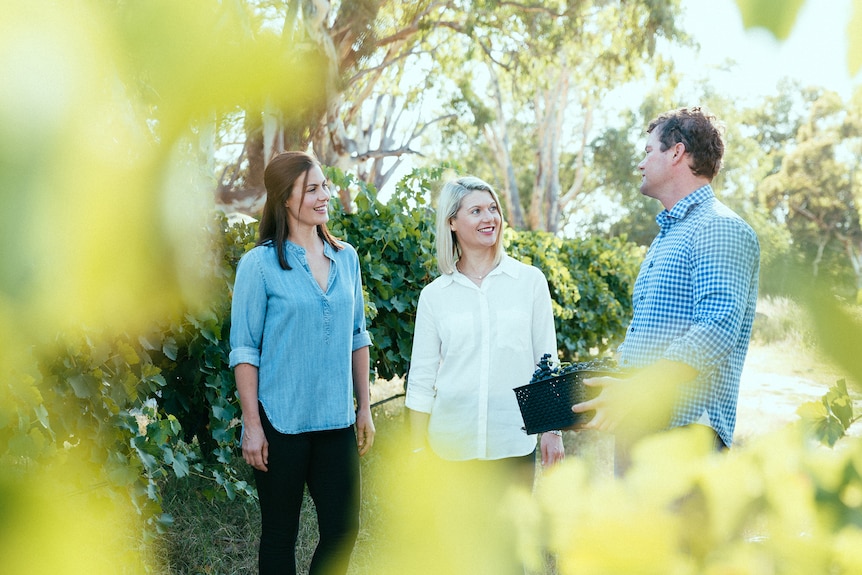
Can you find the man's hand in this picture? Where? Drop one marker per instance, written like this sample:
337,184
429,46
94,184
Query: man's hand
639,404
609,405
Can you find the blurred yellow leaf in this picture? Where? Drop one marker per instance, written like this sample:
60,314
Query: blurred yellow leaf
52,523
444,517
848,543
839,333
730,489
684,450
777,17
854,43
103,190
781,468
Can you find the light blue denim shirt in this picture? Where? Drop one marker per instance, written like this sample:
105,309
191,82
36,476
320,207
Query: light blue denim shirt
299,337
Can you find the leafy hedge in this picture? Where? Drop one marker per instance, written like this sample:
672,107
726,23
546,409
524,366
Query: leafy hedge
591,282
395,242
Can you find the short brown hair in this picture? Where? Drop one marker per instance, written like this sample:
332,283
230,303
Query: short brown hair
700,133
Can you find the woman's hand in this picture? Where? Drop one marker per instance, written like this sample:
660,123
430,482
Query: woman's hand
255,447
552,449
364,430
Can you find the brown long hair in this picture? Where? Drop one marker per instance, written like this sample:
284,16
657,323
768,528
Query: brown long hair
280,176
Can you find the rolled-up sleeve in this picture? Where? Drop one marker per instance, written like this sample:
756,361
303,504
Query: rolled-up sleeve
424,360
248,310
544,332
361,337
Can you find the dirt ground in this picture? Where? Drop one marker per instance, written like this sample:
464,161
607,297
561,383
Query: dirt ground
776,380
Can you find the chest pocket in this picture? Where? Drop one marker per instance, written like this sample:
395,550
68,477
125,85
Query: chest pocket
513,329
459,333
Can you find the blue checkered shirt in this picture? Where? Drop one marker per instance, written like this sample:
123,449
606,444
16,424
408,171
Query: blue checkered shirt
694,302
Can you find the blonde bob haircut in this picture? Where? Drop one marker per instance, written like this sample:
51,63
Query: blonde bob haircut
453,192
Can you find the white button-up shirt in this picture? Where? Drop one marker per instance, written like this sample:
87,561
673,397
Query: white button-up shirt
471,347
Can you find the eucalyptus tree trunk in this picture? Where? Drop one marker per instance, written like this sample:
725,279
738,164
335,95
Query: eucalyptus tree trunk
550,109
497,135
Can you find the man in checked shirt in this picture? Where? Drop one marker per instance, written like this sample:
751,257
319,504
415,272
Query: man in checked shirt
694,297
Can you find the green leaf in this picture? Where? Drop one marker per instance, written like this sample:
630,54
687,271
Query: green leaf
812,411
839,403
174,425
42,416
829,431
819,423
164,522
170,348
141,448
180,465
121,473
224,413
83,385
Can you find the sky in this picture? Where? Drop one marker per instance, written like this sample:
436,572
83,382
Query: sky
748,64
815,52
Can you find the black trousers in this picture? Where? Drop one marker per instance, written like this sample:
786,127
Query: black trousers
328,463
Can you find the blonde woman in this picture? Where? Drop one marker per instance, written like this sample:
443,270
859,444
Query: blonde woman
481,328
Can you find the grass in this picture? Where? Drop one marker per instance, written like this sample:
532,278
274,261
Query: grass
211,537
221,537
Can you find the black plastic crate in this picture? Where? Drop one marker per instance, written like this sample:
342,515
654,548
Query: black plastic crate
547,404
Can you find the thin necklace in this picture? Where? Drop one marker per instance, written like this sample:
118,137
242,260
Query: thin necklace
481,277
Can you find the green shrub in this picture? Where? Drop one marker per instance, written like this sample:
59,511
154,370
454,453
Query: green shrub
591,283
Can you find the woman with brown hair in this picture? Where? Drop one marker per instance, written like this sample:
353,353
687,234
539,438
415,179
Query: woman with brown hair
299,349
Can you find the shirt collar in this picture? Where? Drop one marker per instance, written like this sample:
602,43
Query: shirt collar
328,251
667,218
507,266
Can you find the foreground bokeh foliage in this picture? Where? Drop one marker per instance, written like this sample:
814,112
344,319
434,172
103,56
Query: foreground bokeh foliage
113,309
104,222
